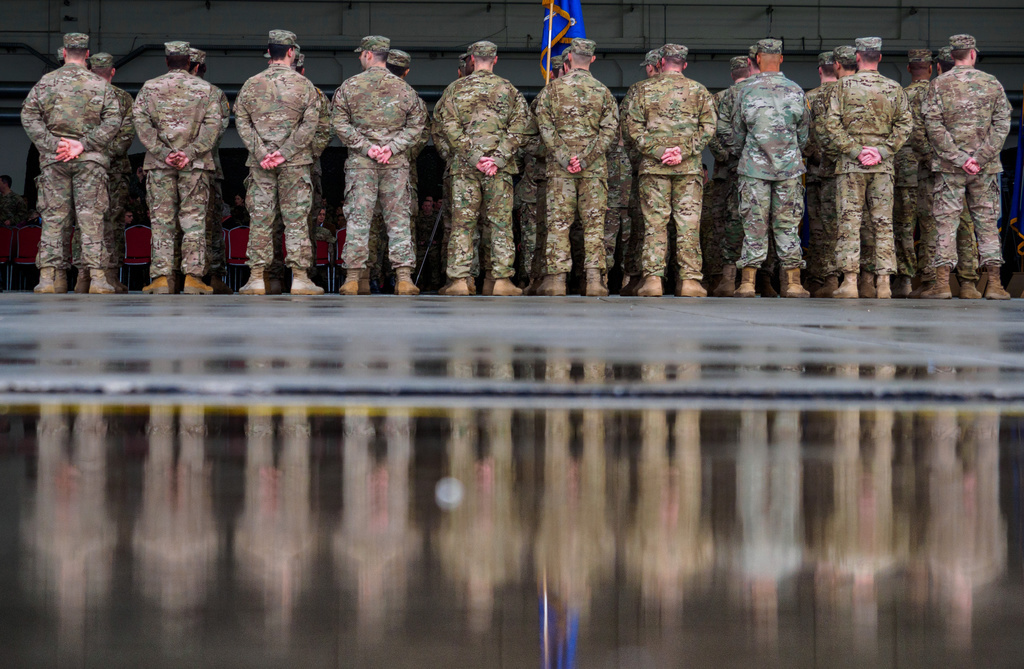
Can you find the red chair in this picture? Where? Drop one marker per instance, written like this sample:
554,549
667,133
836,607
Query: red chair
237,252
6,252
138,250
26,245
322,258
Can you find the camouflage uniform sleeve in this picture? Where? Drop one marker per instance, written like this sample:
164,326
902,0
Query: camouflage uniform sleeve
840,140
341,120
126,133
803,128
546,125
723,127
225,111
518,130
148,133
424,136
608,128
919,136
634,124
902,126
940,138
461,143
301,137
738,127
715,145
32,119
244,125
110,122
323,125
209,131
993,142
415,124
444,149
707,122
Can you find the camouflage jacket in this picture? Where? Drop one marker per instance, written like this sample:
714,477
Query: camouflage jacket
225,119
772,123
13,209
72,103
577,116
631,150
444,149
715,146
726,112
118,149
907,159
422,139
177,112
817,163
670,110
866,109
967,116
620,176
278,110
484,115
377,108
527,189
324,131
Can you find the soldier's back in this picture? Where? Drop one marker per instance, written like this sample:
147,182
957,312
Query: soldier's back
377,99
275,100
71,101
176,103
869,103
968,99
576,103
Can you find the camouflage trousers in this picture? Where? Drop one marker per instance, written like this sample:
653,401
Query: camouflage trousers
904,219
980,192
771,209
664,198
316,179
377,244
565,197
446,218
728,223
214,227
284,192
966,243
633,255
363,189
177,204
538,263
616,233
821,214
74,191
865,200
480,201
113,220
527,216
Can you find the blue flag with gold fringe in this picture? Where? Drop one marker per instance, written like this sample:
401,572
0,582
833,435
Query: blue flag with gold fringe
563,21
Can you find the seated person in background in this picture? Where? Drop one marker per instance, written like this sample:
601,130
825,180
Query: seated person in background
239,212
13,210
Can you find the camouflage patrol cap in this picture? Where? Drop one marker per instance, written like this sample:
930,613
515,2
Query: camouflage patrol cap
652,58
826,58
483,49
462,59
674,50
300,61
752,52
769,45
868,43
399,58
60,55
958,42
76,41
919,56
282,38
846,56
101,61
374,43
583,47
176,48
945,55
737,63
557,62
197,55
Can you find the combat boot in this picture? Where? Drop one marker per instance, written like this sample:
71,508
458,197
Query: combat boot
727,285
901,289
457,288
364,283
194,286
352,280
219,287
273,284
160,286
927,279
969,291
848,290
531,288
471,284
60,281
994,290
405,286
505,288
791,284
652,287
488,284
98,284
748,277
939,289
866,285
114,281
690,288
830,286
302,285
46,283
552,286
763,281
82,282
595,284
256,284
633,283
883,291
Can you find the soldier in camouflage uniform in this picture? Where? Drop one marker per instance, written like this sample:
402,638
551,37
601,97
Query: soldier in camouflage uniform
620,183
72,116
771,124
485,120
967,117
379,118
178,120
821,189
670,120
277,113
578,118
13,209
867,122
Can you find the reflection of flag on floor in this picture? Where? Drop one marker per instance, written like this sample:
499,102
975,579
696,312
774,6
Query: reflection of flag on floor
1017,195
563,21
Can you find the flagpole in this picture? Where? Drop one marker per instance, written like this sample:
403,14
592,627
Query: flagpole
551,21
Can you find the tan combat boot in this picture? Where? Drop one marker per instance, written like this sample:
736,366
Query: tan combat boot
45,284
352,281
160,286
115,281
552,286
194,286
883,291
82,282
256,285
727,285
763,284
302,285
748,277
633,283
471,284
651,287
994,290
405,286
969,291
595,284
939,289
505,288
791,286
60,281
830,286
364,283
98,284
457,288
927,279
901,289
866,285
690,288
848,289
219,287
488,284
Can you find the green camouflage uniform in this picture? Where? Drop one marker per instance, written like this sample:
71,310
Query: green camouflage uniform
377,108
525,201
118,175
771,124
904,215
13,210
537,166
821,191
483,115
632,257
966,115
72,103
727,196
279,110
866,109
576,116
617,224
670,110
215,205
